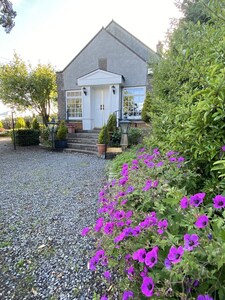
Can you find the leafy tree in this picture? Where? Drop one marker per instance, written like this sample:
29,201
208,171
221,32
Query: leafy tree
188,111
25,87
7,15
20,123
145,114
42,90
195,10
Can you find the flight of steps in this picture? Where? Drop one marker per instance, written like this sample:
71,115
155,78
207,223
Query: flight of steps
83,141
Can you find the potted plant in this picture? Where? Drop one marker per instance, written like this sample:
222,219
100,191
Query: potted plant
103,140
61,136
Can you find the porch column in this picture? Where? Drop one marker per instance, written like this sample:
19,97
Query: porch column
86,108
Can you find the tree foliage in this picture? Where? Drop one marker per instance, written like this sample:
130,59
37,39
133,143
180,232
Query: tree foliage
7,15
145,113
27,87
188,105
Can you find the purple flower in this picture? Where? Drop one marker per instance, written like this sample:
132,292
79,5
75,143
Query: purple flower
175,254
93,262
127,295
129,214
119,238
190,241
108,229
152,257
107,275
196,199
99,224
160,164
184,202
130,272
85,231
170,153
139,255
148,185
202,221
162,226
100,254
223,148
219,201
123,180
104,297
147,286
136,231
130,189
172,159
180,159
167,264
119,214
204,297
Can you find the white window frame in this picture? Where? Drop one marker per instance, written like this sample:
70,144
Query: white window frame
74,97
142,93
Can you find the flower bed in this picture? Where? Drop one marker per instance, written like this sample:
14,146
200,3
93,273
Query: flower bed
163,243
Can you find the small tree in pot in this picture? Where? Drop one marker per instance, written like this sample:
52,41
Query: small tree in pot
103,140
61,136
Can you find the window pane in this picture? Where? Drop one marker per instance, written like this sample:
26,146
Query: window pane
133,100
74,104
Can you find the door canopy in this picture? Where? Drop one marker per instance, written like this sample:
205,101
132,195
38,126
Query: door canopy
100,77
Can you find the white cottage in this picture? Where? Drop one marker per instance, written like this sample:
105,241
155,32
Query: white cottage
109,75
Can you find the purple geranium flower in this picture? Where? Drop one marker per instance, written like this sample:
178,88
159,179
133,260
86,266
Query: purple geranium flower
130,272
127,295
108,229
85,231
152,257
167,264
175,254
104,297
219,201
190,241
162,226
147,286
197,199
204,297
139,255
184,202
99,224
202,221
93,262
107,275
223,148
119,238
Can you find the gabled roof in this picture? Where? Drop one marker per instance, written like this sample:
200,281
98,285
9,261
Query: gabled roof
100,77
122,38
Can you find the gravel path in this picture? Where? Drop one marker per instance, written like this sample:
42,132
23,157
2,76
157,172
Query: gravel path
46,198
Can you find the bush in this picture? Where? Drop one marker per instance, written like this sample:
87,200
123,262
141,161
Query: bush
61,131
103,136
145,113
134,136
111,124
1,124
163,243
20,123
35,124
26,137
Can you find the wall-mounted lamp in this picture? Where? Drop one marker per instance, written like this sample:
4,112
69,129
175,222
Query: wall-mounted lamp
113,89
85,91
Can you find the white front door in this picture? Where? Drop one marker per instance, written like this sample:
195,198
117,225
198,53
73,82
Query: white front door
101,106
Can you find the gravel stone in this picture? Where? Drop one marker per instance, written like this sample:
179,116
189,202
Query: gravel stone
46,199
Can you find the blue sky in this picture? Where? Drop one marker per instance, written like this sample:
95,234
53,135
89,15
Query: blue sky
54,31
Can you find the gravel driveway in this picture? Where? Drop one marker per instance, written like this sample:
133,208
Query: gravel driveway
46,198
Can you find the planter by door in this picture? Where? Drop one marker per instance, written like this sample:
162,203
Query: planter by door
60,144
101,149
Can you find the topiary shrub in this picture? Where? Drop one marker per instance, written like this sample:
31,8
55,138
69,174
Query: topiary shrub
103,137
62,131
26,137
111,124
20,123
1,125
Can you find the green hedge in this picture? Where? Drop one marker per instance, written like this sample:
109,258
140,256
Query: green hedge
26,137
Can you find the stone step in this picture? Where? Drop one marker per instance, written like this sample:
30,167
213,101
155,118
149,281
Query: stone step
80,140
83,151
83,135
90,147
